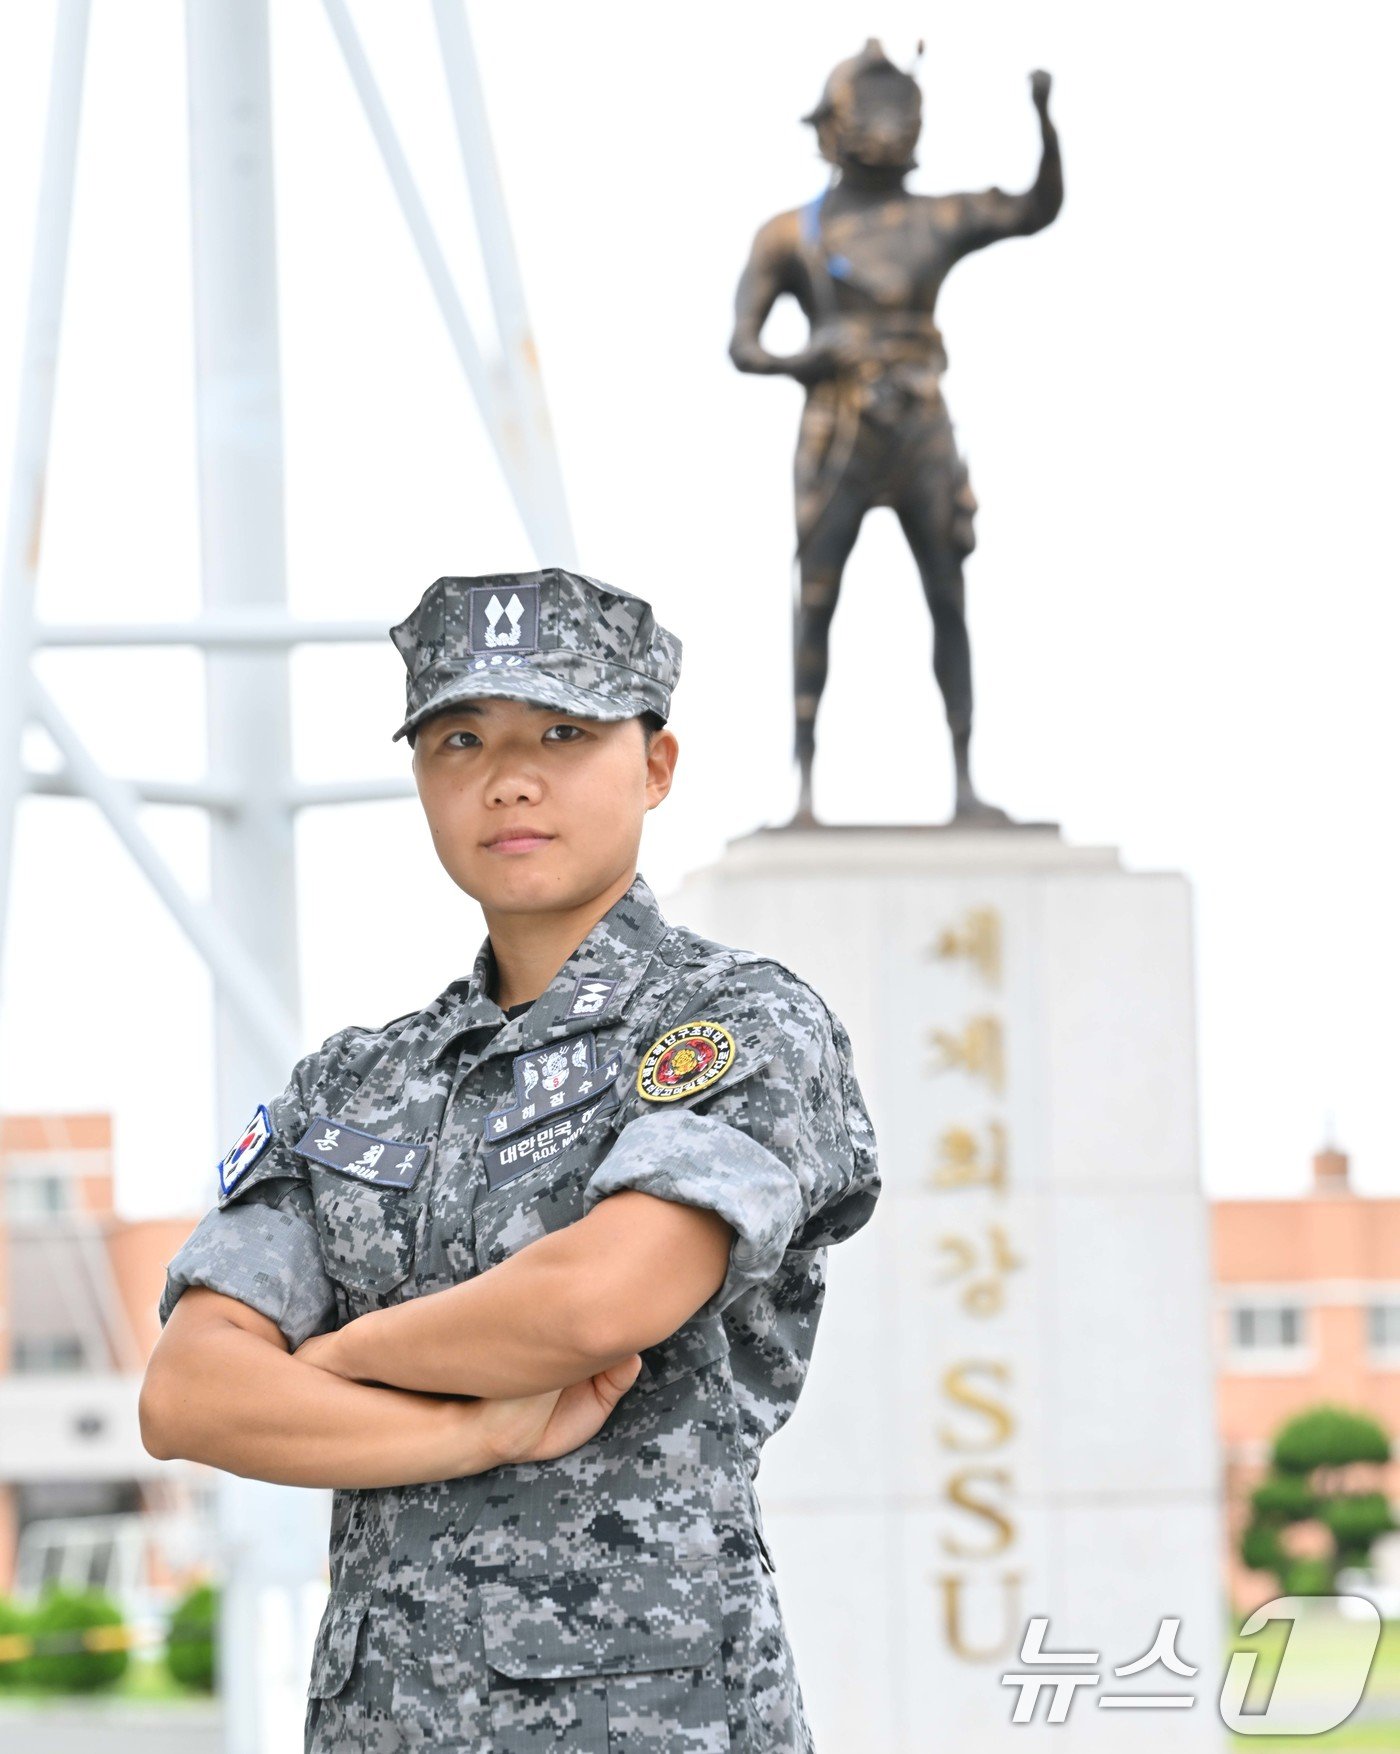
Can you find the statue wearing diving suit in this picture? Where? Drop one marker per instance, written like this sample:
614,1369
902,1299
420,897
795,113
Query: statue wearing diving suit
865,262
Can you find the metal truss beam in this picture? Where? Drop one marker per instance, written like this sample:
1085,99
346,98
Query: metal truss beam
517,425
246,933
237,978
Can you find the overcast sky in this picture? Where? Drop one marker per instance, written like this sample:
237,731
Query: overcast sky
1177,403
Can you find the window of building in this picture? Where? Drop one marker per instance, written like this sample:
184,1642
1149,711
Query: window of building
31,1195
1383,1326
36,1354
1267,1327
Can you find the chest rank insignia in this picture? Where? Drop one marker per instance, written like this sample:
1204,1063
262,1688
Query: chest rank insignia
688,1058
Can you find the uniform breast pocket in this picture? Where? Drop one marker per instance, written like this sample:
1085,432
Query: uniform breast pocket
542,1198
535,1181
368,1235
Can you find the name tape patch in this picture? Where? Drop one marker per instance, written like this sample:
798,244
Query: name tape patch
388,1163
513,1157
240,1158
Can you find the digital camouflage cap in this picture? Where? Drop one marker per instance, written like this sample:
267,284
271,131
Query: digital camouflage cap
556,638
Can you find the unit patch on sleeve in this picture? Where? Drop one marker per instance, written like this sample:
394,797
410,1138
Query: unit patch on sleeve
690,1057
388,1163
256,1138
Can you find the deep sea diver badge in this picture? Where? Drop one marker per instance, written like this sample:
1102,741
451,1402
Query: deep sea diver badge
550,1081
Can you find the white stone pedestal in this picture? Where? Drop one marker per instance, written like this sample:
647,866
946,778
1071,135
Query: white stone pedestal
1010,1411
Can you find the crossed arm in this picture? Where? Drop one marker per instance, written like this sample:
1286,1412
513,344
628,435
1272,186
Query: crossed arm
570,1304
548,1338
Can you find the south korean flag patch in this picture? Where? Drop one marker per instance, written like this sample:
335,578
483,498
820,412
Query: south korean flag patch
255,1139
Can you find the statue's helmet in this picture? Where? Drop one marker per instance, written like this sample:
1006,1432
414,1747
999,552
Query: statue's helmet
870,112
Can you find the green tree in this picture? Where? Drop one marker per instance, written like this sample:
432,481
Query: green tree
14,1623
1309,1481
189,1649
64,1660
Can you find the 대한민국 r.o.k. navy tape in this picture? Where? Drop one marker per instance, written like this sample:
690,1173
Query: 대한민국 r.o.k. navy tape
388,1163
256,1138
513,1156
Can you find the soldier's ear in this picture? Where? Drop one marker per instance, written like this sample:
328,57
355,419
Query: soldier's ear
662,752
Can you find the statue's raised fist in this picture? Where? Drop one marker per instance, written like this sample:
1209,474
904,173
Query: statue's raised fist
1040,88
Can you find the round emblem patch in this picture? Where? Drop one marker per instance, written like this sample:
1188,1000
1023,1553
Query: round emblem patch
688,1058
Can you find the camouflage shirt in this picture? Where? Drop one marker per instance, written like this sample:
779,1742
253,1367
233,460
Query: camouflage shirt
621,1595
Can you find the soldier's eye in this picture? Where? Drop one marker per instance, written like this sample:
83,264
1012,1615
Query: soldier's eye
451,734
572,733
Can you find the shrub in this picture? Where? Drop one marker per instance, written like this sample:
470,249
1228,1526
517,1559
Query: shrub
14,1623
1328,1437
1312,1454
1260,1549
66,1666
1357,1519
1307,1577
1284,1498
189,1652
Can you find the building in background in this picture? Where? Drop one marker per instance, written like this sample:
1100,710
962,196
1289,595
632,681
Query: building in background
1308,1298
80,1498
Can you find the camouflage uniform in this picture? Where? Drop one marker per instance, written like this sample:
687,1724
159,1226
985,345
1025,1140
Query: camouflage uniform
621,1596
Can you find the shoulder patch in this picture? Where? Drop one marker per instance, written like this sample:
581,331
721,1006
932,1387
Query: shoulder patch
240,1158
690,1057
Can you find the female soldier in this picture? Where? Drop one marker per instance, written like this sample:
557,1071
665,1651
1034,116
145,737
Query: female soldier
530,1275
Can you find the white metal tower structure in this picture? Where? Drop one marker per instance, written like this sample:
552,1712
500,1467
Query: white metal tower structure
247,931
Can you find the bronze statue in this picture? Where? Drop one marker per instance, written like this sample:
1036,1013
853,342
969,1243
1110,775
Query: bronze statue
865,261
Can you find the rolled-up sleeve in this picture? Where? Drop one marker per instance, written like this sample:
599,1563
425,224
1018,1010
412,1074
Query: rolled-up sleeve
781,1146
265,1255
259,1242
